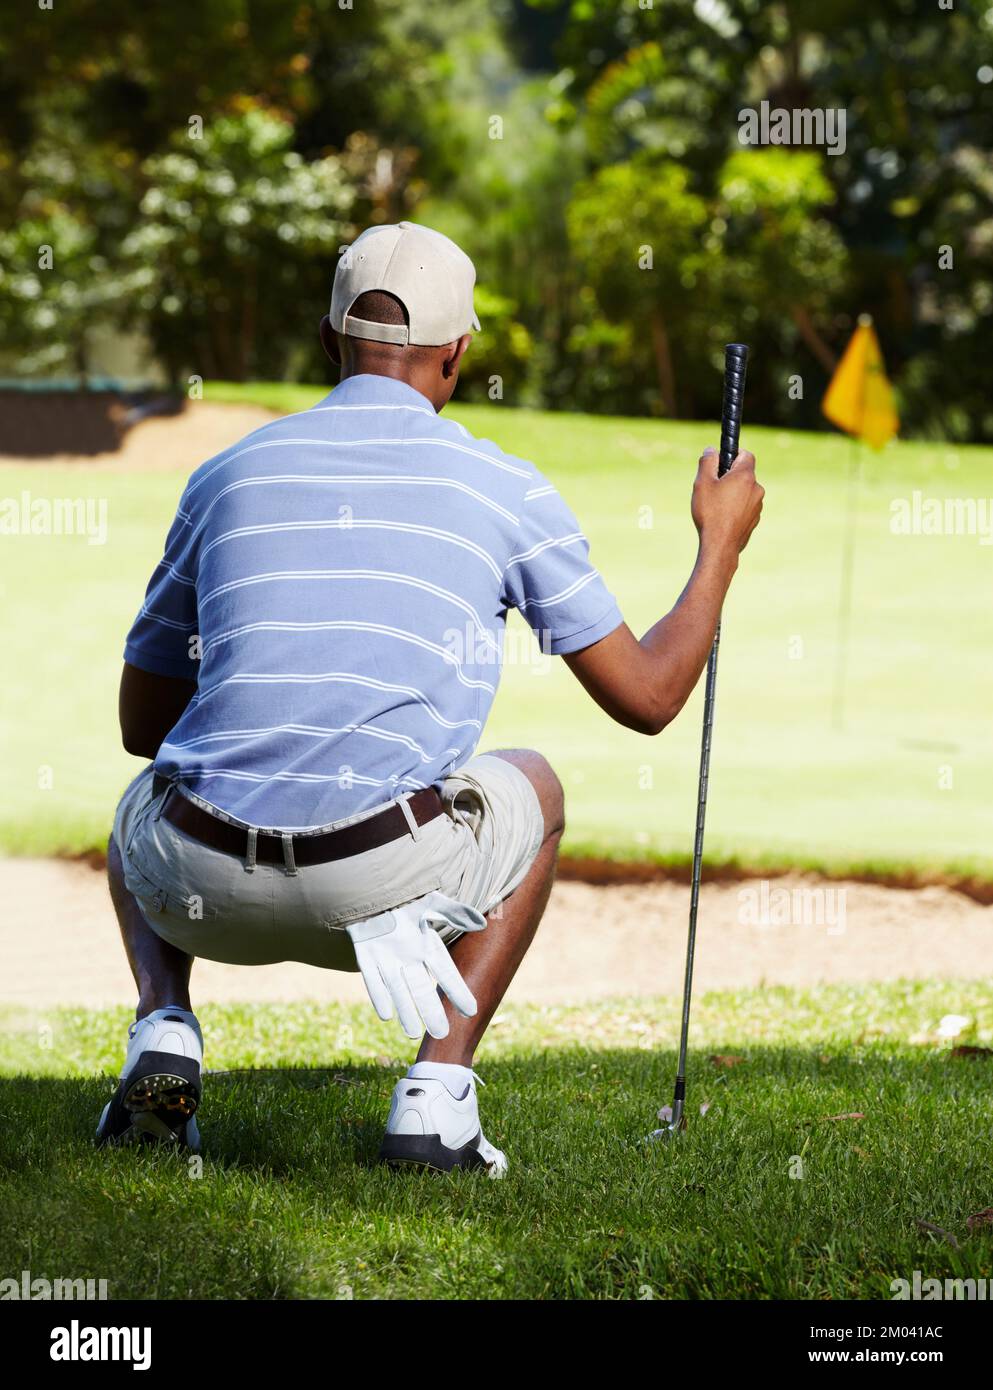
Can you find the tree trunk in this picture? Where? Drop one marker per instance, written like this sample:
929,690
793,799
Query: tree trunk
663,363
82,363
813,339
246,338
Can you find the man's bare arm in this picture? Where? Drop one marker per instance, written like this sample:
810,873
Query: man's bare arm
148,707
644,685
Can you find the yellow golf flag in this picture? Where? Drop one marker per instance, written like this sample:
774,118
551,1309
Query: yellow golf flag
860,398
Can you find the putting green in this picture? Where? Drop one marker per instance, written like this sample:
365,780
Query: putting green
904,784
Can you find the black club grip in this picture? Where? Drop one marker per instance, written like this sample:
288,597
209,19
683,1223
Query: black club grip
735,366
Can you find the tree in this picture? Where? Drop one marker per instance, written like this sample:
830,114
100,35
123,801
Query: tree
235,227
635,228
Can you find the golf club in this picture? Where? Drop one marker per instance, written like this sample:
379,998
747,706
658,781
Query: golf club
735,364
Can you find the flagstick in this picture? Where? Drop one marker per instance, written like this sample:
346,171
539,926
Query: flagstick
845,597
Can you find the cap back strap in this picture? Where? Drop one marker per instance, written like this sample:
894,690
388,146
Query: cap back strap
376,332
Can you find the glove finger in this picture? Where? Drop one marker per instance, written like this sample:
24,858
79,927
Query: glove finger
446,973
410,1019
376,987
425,995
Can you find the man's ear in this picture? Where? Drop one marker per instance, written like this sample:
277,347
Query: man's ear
453,357
329,341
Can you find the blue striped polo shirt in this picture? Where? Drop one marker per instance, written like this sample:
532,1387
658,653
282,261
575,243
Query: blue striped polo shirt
338,583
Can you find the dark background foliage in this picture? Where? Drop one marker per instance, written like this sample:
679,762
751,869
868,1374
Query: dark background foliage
585,153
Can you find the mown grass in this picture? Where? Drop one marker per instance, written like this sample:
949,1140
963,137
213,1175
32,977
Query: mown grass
903,786
290,1203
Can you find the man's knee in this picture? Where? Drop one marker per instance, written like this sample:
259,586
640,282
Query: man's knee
545,781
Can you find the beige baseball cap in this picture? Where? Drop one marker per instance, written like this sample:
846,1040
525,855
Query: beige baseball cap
427,272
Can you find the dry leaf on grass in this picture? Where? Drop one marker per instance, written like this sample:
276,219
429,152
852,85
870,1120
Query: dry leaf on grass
720,1059
967,1050
980,1219
848,1115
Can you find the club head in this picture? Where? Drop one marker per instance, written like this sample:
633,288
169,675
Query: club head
674,1123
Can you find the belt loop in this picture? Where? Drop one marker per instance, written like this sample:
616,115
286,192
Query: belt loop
415,829
253,836
288,859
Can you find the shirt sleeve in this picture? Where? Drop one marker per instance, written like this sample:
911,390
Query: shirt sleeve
549,578
160,637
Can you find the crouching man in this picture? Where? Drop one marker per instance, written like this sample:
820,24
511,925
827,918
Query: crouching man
314,793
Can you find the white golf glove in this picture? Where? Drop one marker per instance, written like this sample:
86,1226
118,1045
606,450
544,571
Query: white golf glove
402,959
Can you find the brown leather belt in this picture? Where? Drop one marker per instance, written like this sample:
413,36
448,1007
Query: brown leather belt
370,833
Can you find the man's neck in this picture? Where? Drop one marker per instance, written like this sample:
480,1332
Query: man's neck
392,371
394,387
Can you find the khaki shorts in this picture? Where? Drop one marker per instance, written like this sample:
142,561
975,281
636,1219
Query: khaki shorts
210,904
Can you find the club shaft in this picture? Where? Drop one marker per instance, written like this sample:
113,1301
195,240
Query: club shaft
710,689
735,362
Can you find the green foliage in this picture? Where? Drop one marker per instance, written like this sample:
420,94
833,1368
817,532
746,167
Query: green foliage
500,354
781,260
666,261
59,269
393,111
232,226
635,229
627,206
643,102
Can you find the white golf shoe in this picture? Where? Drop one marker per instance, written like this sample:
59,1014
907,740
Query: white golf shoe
159,1091
434,1123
